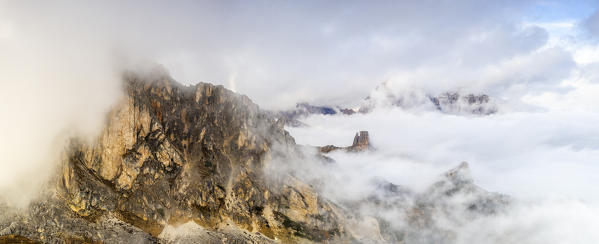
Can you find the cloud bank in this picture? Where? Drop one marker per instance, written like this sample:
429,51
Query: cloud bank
545,160
282,52
60,64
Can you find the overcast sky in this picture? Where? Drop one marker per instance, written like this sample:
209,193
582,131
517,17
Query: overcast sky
279,52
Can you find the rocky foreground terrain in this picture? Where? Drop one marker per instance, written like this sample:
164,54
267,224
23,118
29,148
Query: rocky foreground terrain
186,164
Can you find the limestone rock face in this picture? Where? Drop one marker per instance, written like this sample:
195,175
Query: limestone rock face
172,154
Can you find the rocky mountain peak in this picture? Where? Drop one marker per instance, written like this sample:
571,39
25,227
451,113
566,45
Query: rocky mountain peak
171,154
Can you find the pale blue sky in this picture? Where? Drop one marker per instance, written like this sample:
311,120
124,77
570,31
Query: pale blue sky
549,10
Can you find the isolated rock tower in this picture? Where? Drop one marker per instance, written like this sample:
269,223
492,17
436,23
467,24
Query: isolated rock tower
361,142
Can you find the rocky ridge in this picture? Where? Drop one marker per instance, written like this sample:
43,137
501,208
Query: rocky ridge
172,154
451,102
361,143
185,164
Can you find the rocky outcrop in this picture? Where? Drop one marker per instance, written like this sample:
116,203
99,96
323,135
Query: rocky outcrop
361,143
49,220
172,154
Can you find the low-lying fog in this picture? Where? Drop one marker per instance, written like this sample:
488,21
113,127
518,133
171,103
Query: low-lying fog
547,160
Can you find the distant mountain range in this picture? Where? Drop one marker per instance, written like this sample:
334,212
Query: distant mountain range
451,102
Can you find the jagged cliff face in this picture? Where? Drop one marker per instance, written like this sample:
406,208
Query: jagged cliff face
172,154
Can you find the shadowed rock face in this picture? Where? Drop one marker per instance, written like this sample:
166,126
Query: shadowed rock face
12,239
172,154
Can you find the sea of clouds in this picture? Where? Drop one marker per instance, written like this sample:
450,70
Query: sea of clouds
545,159
60,67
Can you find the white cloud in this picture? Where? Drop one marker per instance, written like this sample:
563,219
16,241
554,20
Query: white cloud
282,51
60,62
566,222
546,160
525,154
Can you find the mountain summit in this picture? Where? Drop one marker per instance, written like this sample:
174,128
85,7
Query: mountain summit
171,154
